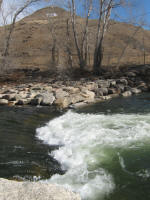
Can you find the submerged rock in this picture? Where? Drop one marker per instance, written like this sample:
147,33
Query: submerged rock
12,190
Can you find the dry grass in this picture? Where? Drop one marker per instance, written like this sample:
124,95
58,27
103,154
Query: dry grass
32,42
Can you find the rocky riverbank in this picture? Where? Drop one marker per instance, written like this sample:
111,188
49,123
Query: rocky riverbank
71,93
12,190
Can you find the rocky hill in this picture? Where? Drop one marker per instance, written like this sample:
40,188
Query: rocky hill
40,40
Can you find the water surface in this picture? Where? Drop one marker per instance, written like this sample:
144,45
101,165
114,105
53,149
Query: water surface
101,151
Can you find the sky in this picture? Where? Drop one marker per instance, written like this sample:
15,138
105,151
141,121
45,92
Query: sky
138,12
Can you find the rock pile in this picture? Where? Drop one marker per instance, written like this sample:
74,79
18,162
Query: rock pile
64,94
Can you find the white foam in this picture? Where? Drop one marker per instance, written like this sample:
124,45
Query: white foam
145,173
84,138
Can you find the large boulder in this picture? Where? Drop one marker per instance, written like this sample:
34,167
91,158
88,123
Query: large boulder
9,97
126,94
60,93
102,92
76,98
48,99
36,100
88,95
63,102
112,83
12,190
135,90
92,86
44,99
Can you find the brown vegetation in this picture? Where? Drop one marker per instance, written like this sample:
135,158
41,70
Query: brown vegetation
32,44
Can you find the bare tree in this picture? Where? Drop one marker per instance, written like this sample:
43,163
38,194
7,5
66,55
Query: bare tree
81,44
52,27
105,9
12,25
68,44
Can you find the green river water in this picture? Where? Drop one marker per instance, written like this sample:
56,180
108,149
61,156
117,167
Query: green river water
100,151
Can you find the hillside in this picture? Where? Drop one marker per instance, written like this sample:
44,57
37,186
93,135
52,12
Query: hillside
40,40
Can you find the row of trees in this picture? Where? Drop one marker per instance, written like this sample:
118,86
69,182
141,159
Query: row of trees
103,16
101,9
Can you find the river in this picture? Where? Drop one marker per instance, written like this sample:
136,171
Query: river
100,151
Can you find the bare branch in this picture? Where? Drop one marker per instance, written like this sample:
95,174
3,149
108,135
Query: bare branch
11,27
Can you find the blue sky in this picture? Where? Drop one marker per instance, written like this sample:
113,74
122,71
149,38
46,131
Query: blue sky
140,11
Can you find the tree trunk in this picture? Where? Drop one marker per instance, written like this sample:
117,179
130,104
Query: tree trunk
98,57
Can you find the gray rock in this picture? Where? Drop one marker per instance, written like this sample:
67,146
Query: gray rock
131,74
71,90
131,83
20,103
9,91
103,83
92,86
126,94
122,81
44,99
63,102
78,105
111,91
36,88
1,95
112,83
3,101
47,99
107,97
9,97
121,87
12,190
135,90
17,97
143,88
88,95
48,89
114,95
102,92
75,98
127,88
37,100
60,93
142,83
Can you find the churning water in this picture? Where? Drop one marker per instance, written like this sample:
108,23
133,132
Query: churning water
88,142
101,151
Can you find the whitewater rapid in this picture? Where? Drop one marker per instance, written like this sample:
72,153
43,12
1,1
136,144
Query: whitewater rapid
86,142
